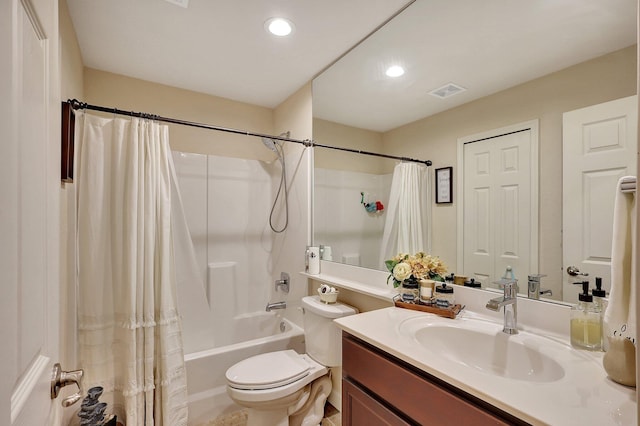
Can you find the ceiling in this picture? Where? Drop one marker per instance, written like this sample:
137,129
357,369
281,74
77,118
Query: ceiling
484,46
221,48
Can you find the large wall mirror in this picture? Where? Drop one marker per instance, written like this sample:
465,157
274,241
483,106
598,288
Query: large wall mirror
471,69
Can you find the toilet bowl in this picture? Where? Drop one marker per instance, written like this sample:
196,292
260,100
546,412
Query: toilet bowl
275,385
286,388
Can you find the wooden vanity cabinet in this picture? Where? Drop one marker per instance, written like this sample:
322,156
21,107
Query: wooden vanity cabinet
379,389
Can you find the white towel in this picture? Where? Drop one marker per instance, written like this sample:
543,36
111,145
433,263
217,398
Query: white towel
620,315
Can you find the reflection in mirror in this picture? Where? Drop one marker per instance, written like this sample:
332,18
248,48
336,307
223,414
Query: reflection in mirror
344,229
365,214
517,62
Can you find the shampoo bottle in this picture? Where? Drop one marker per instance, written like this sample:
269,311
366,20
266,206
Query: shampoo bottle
586,323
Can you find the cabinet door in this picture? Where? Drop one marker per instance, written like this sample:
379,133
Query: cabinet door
359,409
418,398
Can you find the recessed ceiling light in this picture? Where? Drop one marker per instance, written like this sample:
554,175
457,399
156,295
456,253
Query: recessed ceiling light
394,71
279,26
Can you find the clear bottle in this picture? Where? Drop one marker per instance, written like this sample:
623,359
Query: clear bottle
599,296
508,274
586,324
600,302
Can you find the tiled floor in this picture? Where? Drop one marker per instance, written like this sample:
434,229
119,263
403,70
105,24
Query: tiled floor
239,418
332,417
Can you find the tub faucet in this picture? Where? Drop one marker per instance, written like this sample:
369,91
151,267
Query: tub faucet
276,305
533,287
509,302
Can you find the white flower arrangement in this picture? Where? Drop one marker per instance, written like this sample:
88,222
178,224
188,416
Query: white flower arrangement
406,267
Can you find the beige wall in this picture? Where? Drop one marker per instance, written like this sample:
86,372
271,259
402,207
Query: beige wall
126,93
606,78
71,86
72,79
294,115
335,134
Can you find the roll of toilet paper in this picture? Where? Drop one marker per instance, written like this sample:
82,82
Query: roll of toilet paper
313,260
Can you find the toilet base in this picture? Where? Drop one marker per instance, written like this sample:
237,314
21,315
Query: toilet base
312,411
303,408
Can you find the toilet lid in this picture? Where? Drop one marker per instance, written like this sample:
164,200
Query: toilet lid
266,371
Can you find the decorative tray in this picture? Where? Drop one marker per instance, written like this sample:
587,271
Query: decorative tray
450,312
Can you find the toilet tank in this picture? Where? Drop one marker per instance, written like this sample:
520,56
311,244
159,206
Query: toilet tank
323,339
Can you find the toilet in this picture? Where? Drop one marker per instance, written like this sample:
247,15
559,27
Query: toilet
285,388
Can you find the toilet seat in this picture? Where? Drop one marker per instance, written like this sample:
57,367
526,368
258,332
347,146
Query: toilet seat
267,371
279,388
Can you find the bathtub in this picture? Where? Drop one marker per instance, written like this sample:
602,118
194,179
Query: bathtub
206,384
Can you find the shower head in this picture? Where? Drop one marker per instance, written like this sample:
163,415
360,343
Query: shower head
269,143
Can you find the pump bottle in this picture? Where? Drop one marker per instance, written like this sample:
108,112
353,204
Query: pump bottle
586,323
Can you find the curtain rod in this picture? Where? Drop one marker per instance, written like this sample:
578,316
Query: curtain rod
75,104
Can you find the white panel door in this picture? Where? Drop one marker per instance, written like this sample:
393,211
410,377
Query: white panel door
499,198
599,147
29,225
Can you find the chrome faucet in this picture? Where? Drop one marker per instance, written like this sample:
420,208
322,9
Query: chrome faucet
509,302
276,305
533,287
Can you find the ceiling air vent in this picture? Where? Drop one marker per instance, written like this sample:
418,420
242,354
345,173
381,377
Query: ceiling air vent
447,90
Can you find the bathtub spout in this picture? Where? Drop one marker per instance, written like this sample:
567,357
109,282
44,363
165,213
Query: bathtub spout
277,305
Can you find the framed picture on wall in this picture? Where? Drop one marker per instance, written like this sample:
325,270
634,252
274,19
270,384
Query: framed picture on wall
444,185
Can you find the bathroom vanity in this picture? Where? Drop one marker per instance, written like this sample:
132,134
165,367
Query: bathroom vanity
400,394
406,367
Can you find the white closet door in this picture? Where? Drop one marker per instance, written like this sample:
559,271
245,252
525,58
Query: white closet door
497,212
599,147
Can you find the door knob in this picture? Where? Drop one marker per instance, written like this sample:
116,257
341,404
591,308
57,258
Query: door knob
60,379
573,271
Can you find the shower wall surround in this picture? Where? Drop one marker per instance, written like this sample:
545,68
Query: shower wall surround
227,202
341,221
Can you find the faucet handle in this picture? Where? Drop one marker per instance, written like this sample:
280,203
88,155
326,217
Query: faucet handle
283,282
509,286
536,277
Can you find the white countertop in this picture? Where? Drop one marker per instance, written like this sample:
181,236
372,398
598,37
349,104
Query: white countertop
584,396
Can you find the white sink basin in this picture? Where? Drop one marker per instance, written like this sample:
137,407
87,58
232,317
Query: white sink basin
483,347
511,356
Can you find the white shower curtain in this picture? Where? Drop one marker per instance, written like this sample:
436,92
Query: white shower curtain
129,332
407,228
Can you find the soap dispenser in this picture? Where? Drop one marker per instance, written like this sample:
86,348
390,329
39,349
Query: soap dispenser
586,324
600,302
599,296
